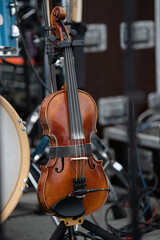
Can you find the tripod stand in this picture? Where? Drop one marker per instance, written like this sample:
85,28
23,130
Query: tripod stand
59,233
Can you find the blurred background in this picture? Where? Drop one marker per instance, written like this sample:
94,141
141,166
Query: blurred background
115,70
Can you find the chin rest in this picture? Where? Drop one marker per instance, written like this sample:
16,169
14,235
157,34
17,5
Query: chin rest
69,207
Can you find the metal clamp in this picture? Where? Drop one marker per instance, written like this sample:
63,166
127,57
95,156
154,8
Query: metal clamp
15,31
72,222
23,128
21,121
13,7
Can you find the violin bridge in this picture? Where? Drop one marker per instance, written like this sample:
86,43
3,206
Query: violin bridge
79,158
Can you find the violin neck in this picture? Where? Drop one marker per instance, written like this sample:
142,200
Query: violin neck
75,119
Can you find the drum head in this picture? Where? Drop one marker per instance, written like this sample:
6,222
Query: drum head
14,157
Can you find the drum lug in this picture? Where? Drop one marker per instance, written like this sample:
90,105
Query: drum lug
25,180
1,20
22,189
13,7
14,31
23,129
21,121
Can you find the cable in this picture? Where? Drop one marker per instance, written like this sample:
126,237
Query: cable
145,115
125,231
147,125
148,189
26,51
149,221
140,170
150,118
144,211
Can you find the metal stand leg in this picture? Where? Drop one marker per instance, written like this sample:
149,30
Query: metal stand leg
59,232
71,233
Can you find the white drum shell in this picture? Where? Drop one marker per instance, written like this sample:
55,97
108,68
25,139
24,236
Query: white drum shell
14,156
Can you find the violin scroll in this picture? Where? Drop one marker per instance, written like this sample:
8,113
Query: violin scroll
58,14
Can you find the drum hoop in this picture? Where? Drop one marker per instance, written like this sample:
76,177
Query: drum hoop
25,161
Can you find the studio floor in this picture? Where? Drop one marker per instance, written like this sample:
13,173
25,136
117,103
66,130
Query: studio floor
28,223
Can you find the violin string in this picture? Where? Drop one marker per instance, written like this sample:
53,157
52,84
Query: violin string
74,101
79,117
72,91
75,118
70,102
69,92
74,106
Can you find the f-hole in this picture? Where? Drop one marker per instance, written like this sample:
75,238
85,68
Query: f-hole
90,165
62,161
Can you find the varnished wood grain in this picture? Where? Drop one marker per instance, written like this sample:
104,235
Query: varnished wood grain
53,186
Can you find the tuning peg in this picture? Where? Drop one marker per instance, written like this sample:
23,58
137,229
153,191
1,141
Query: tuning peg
67,23
53,38
73,33
49,28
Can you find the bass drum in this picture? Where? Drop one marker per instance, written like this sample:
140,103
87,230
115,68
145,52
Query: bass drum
14,156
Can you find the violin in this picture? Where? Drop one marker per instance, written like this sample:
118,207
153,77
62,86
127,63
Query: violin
72,183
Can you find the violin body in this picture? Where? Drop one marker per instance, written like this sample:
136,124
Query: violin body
72,183
54,186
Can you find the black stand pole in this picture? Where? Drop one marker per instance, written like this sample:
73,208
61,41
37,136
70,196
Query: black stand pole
99,231
130,84
71,233
59,232
52,67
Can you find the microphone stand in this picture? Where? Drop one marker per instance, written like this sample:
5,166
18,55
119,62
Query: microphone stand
49,48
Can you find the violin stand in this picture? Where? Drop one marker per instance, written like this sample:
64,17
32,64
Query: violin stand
71,209
68,224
